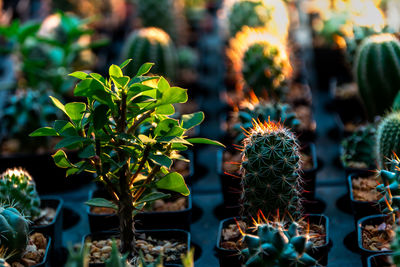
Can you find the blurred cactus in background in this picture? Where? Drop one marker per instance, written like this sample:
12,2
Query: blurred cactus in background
388,138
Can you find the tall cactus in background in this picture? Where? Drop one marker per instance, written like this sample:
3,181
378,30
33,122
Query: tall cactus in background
18,187
151,45
377,70
388,138
270,171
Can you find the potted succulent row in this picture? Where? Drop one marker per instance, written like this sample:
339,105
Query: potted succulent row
125,135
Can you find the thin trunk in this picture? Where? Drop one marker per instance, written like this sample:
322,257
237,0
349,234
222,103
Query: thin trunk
126,225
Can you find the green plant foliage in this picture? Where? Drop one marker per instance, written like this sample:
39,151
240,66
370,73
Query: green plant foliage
270,171
388,138
17,186
358,148
275,246
377,71
124,134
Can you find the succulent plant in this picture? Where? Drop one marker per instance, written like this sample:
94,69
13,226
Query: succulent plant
18,187
270,171
275,246
116,259
358,148
262,111
377,72
390,201
14,229
388,138
151,45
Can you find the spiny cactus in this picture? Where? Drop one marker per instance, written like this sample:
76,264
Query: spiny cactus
14,229
357,149
388,138
260,61
167,15
270,171
275,246
377,71
263,111
390,202
151,45
18,187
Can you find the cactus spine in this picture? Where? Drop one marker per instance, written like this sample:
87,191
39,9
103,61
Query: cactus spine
275,247
151,45
390,202
18,187
388,138
14,229
270,171
377,70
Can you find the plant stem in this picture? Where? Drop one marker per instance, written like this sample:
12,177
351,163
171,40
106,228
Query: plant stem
139,121
141,164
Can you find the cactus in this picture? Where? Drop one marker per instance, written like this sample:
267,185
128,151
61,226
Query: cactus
274,246
270,171
263,111
390,201
260,61
18,187
357,148
377,71
388,138
151,45
3,263
167,15
14,229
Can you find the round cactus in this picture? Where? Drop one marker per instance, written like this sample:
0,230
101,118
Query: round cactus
377,70
14,229
18,188
151,45
274,246
388,138
270,171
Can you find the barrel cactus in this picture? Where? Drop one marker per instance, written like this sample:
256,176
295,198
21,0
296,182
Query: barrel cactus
275,246
18,187
357,149
388,138
14,229
151,45
377,70
270,171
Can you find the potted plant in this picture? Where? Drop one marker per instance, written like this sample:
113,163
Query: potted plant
125,136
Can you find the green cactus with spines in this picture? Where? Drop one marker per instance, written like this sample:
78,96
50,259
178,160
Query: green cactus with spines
18,187
14,229
262,111
248,12
390,201
388,138
151,45
377,71
359,147
275,246
264,68
270,171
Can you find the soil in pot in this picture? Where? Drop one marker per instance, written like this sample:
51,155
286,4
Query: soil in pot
35,251
364,189
46,217
377,237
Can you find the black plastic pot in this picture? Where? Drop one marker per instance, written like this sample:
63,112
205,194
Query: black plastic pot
50,180
144,220
232,258
181,235
361,208
310,175
379,260
369,220
46,258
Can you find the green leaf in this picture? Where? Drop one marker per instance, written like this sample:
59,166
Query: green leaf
61,160
191,120
204,141
121,81
65,128
173,181
173,140
58,104
79,74
115,71
165,109
71,141
44,131
75,111
163,84
165,126
100,116
151,197
126,62
161,160
87,152
71,171
101,202
144,69
146,139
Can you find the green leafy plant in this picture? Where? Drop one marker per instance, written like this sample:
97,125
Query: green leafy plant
388,138
124,134
275,246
